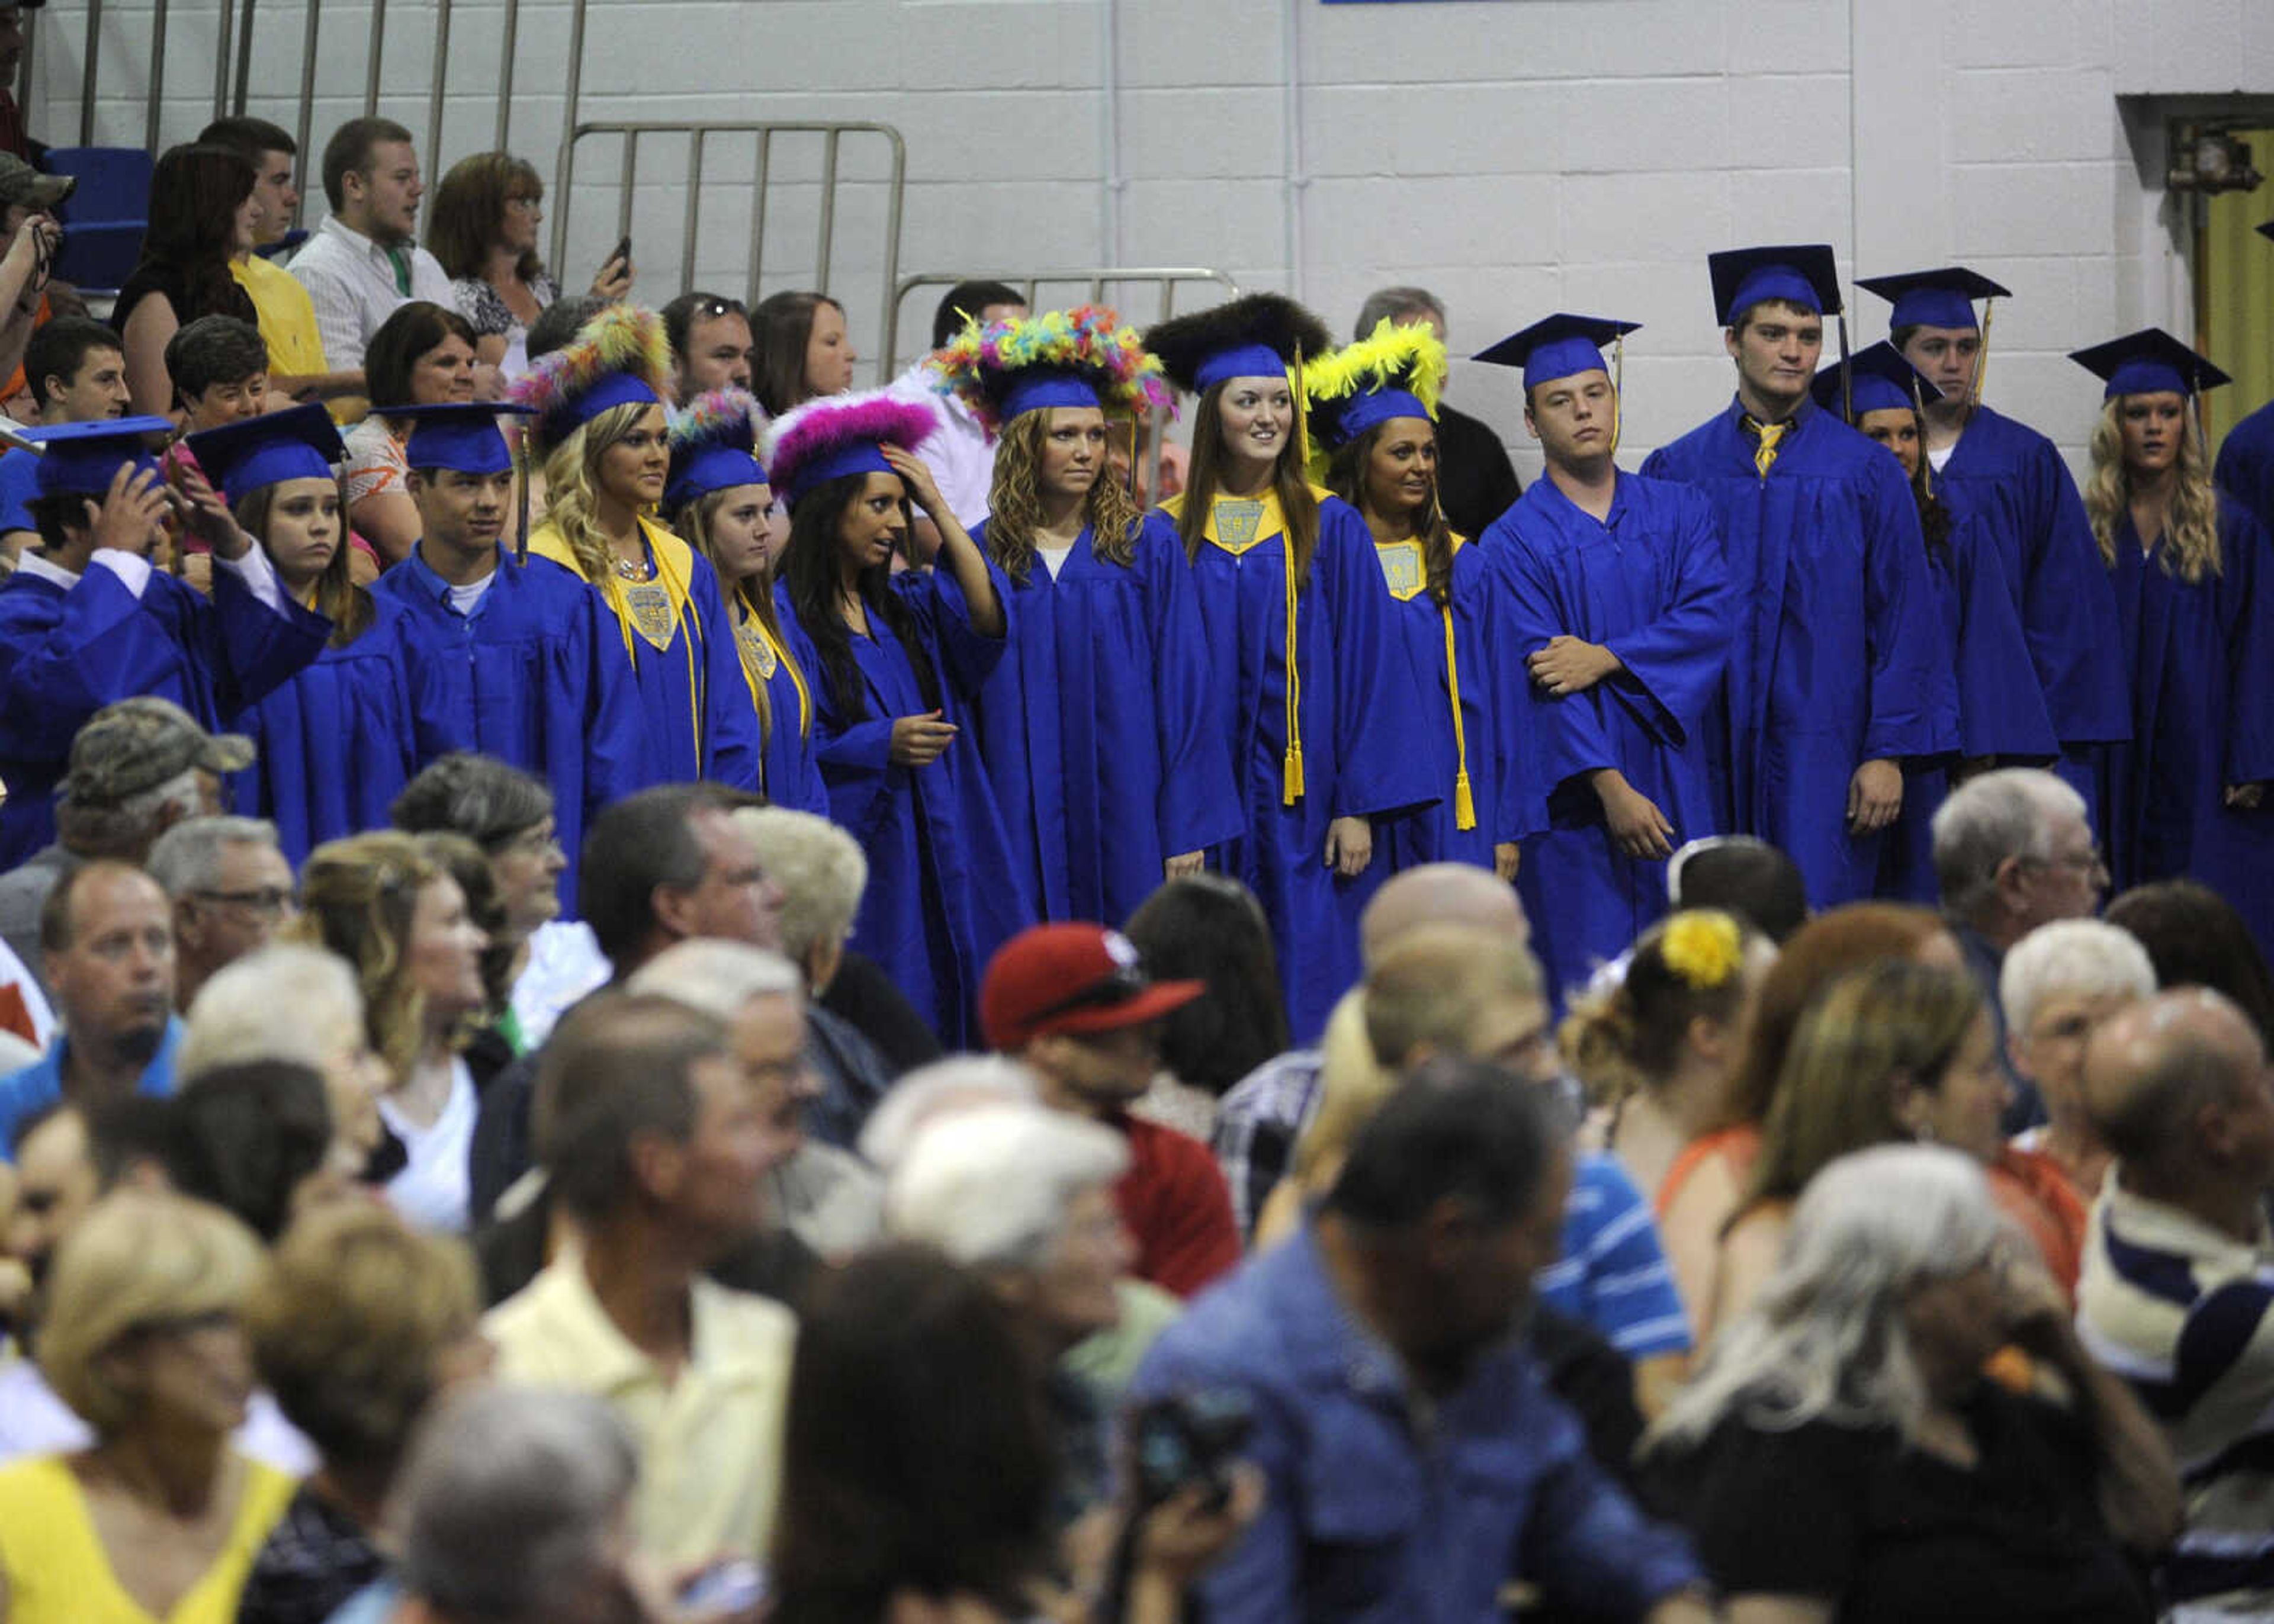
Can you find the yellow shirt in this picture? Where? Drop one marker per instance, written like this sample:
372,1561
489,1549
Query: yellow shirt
58,1571
288,321
710,1442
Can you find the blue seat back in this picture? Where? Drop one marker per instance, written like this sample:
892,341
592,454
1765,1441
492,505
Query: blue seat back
113,182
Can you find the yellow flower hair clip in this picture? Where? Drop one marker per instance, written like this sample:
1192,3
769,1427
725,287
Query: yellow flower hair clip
1703,946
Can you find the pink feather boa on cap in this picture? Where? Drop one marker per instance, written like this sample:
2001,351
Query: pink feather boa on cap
805,435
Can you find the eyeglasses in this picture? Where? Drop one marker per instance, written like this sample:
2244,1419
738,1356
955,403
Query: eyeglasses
268,901
528,206
2090,861
542,841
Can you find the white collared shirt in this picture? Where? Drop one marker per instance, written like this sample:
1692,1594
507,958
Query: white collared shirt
133,572
961,461
350,280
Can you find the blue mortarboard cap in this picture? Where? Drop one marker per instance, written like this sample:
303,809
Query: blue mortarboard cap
1558,347
242,457
1879,380
463,437
2148,362
80,459
712,447
1802,273
1943,298
1037,388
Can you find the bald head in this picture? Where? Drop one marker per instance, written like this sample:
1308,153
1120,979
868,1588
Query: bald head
2163,1079
1439,894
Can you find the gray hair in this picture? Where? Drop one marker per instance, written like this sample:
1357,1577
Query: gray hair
821,870
990,1186
716,977
509,1501
2081,957
286,1002
1989,819
1824,1340
1399,304
187,857
961,1082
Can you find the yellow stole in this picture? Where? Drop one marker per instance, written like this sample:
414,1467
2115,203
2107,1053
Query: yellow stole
762,652
674,572
1406,571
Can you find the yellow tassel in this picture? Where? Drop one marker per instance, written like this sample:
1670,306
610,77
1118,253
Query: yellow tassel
1464,804
1294,774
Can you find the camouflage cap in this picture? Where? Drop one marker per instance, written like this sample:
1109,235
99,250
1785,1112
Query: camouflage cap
138,744
21,183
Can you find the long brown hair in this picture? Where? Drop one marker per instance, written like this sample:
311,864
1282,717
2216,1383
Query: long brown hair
781,326
1015,502
359,895
2190,548
1346,479
469,209
338,598
1297,503
756,593
195,192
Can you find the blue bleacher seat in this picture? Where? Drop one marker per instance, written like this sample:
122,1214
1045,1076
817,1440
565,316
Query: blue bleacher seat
98,258
113,182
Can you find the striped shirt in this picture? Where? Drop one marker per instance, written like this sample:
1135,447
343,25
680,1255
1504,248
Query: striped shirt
2184,1313
1613,1273
351,283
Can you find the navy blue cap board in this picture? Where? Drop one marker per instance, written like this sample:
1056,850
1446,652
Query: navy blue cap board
1557,346
2148,362
1879,380
462,436
80,459
241,458
1938,298
1801,273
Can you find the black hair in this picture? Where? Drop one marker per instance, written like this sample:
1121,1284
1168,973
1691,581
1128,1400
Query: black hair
810,577
2195,938
245,1135
1749,878
680,315
393,353
1455,1129
214,350
1209,928
487,800
968,298
633,845
60,348
250,136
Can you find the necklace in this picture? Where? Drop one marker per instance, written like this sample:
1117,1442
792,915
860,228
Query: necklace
632,572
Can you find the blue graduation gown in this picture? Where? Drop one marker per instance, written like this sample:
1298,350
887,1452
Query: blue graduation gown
337,741
64,654
1648,583
2202,663
945,889
524,679
2245,470
1098,728
1839,655
1434,834
1358,717
791,777
2040,547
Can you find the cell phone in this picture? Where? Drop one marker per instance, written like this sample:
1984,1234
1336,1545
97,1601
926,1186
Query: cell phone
622,251
725,1587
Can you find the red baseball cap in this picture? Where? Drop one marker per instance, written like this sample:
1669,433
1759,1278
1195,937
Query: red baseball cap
1071,978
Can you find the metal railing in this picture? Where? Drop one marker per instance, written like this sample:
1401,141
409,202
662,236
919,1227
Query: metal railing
1168,278
698,134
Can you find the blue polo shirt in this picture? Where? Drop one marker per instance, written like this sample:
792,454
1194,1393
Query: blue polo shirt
26,1093
1385,1506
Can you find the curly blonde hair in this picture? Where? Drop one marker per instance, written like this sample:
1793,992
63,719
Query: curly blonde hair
359,895
1015,506
2189,548
572,485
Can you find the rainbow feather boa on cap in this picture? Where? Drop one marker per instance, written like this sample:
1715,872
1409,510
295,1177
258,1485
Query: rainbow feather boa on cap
1089,341
721,417
807,439
623,341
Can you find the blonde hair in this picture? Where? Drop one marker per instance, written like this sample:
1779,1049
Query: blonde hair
1352,1085
821,870
347,1321
1014,503
2190,548
692,525
1627,1037
360,894
138,1260
572,486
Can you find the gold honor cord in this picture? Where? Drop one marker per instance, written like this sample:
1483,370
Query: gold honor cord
1464,800
1846,373
1291,767
1982,356
1618,427
1926,463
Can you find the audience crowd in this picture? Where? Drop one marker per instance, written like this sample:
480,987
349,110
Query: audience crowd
634,987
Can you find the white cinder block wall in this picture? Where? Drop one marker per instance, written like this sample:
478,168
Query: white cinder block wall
1519,156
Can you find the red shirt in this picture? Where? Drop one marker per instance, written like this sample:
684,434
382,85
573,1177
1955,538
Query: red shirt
1174,1201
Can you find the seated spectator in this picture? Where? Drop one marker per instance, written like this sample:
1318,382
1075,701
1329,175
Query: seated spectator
2178,1273
1841,1455
802,350
1476,482
1209,929
141,1337
483,232
77,373
1656,1047
2058,984
509,814
137,768
202,215
1744,876
13,137
254,1138
29,294
297,367
561,321
2013,850
1892,1052
822,873
388,907
1072,1002
363,264
711,343
358,1325
230,888
510,1510
219,368
658,1137
25,193
1394,1299
2195,938
1701,1192
959,454
293,1002
1259,1120
423,355
107,934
